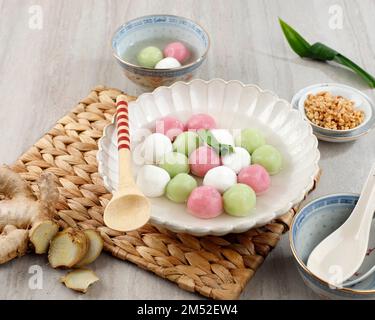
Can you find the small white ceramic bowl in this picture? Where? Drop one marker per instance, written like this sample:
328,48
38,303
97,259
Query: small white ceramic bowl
234,106
360,100
160,26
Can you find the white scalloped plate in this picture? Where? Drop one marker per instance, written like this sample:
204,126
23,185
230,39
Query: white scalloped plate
234,106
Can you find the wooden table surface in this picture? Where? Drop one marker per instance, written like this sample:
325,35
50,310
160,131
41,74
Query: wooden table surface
45,71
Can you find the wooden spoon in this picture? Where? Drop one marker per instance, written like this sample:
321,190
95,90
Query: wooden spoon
129,209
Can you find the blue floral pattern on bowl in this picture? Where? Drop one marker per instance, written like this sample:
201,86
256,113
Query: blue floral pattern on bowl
154,26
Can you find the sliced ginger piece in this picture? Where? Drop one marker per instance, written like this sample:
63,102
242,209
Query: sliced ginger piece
67,248
95,248
80,280
43,227
42,234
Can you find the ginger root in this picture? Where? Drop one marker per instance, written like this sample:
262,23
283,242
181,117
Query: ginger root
13,243
25,218
95,248
22,210
67,248
80,279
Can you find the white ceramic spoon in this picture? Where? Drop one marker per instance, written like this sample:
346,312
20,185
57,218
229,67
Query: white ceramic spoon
341,254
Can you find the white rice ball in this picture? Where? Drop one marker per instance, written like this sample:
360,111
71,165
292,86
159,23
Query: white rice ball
155,147
223,136
237,160
168,63
152,180
221,178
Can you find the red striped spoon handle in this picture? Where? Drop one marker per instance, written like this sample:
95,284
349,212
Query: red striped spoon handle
122,120
123,143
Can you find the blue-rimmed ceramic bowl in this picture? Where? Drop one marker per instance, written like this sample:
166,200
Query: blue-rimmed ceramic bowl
160,26
362,101
311,225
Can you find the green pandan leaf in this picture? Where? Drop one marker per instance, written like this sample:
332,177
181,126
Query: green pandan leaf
321,52
339,58
295,40
207,137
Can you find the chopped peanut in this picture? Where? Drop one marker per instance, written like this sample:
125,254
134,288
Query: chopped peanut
332,112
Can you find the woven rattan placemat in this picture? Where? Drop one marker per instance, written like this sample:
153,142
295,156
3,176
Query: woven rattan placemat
215,267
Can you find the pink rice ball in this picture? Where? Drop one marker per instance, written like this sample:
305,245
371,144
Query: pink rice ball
256,177
203,159
201,121
205,202
178,51
169,126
